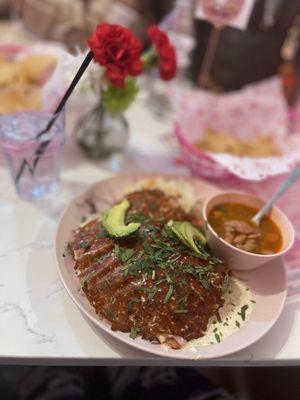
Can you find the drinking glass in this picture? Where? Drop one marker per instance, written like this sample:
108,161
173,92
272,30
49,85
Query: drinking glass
40,156
219,13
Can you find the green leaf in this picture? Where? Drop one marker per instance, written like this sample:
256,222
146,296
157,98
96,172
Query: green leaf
182,302
181,311
152,293
132,301
102,233
139,217
85,280
133,333
125,254
117,250
205,283
242,313
149,58
85,245
116,99
169,294
101,259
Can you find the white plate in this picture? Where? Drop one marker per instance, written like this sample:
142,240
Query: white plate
267,283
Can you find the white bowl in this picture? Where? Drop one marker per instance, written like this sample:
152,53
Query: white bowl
237,258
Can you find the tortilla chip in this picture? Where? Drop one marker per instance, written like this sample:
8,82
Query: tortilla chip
37,68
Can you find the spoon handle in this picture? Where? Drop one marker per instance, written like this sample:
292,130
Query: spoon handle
293,177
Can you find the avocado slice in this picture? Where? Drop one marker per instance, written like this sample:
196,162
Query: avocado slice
114,220
192,233
187,233
177,227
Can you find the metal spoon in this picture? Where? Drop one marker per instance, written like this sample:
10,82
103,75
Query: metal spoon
292,178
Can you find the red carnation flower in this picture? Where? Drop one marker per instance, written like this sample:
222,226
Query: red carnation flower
165,50
117,49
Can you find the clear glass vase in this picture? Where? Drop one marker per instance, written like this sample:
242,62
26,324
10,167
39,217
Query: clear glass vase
102,135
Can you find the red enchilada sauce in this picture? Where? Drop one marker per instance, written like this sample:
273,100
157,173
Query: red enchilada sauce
148,283
232,221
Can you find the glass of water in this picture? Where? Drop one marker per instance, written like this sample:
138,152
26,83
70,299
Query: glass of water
34,161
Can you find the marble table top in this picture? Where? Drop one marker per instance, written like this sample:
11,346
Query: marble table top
38,321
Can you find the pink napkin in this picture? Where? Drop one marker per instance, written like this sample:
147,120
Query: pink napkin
258,108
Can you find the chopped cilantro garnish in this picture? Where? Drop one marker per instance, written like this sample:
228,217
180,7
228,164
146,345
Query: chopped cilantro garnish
237,324
85,280
102,233
142,289
205,284
253,301
147,247
168,278
181,311
152,292
182,302
169,294
117,250
174,258
83,219
101,259
110,314
242,313
132,301
139,217
167,233
85,245
133,333
125,254
217,338
107,281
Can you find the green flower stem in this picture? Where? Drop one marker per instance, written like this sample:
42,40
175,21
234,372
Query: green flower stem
116,100
149,58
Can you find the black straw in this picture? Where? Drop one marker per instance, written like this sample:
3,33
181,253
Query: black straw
42,147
